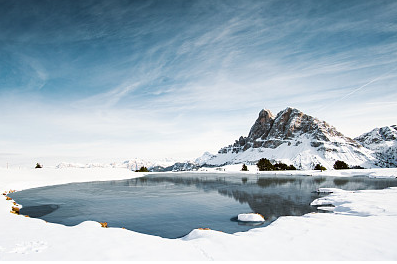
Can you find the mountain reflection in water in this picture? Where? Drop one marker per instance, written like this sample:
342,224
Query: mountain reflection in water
270,196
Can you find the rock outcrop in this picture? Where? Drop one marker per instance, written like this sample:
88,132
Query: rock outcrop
295,138
383,142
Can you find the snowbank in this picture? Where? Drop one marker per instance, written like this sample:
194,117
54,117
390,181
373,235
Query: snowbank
253,169
251,217
329,190
20,179
361,227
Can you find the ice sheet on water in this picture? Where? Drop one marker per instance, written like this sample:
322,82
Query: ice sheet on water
251,217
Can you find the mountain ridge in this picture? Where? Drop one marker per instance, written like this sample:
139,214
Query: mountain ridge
294,138
383,142
291,137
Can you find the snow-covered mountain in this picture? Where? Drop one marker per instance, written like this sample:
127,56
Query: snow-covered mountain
132,164
293,137
136,163
204,158
383,142
63,165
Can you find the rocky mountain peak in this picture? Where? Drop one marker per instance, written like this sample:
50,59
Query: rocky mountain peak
286,123
289,124
262,125
383,142
292,133
378,135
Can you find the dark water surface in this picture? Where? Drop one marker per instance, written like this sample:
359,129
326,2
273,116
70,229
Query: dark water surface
172,204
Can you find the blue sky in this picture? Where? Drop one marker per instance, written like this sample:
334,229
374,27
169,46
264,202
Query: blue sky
102,81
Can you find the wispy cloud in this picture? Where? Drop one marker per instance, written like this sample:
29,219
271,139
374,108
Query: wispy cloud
358,89
108,98
165,72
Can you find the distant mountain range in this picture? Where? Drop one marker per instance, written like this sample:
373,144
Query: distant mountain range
291,137
132,164
136,164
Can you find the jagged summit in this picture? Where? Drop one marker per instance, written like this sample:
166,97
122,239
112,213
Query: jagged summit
383,142
378,135
262,125
270,132
293,137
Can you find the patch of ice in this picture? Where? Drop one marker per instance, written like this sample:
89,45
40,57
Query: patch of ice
251,217
385,173
326,208
329,190
321,201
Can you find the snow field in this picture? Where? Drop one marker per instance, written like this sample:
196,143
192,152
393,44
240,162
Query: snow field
361,227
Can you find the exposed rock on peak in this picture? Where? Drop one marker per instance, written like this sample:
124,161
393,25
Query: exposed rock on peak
262,125
293,137
383,142
379,135
291,123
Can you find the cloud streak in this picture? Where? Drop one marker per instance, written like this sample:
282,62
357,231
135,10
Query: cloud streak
177,70
359,88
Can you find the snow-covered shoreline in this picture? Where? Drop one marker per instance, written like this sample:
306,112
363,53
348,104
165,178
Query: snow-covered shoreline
361,227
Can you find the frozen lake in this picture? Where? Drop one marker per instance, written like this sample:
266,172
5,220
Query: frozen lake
170,205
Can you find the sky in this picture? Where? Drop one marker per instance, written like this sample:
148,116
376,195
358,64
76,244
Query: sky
107,81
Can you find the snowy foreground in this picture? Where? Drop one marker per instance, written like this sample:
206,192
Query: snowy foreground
361,227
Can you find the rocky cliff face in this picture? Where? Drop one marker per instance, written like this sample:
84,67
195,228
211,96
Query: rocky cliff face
383,142
295,138
290,124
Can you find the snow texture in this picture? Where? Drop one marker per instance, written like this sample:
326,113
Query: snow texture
361,226
251,217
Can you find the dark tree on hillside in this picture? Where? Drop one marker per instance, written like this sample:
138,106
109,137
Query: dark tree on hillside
291,167
244,168
142,169
38,166
265,165
319,167
340,165
280,166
